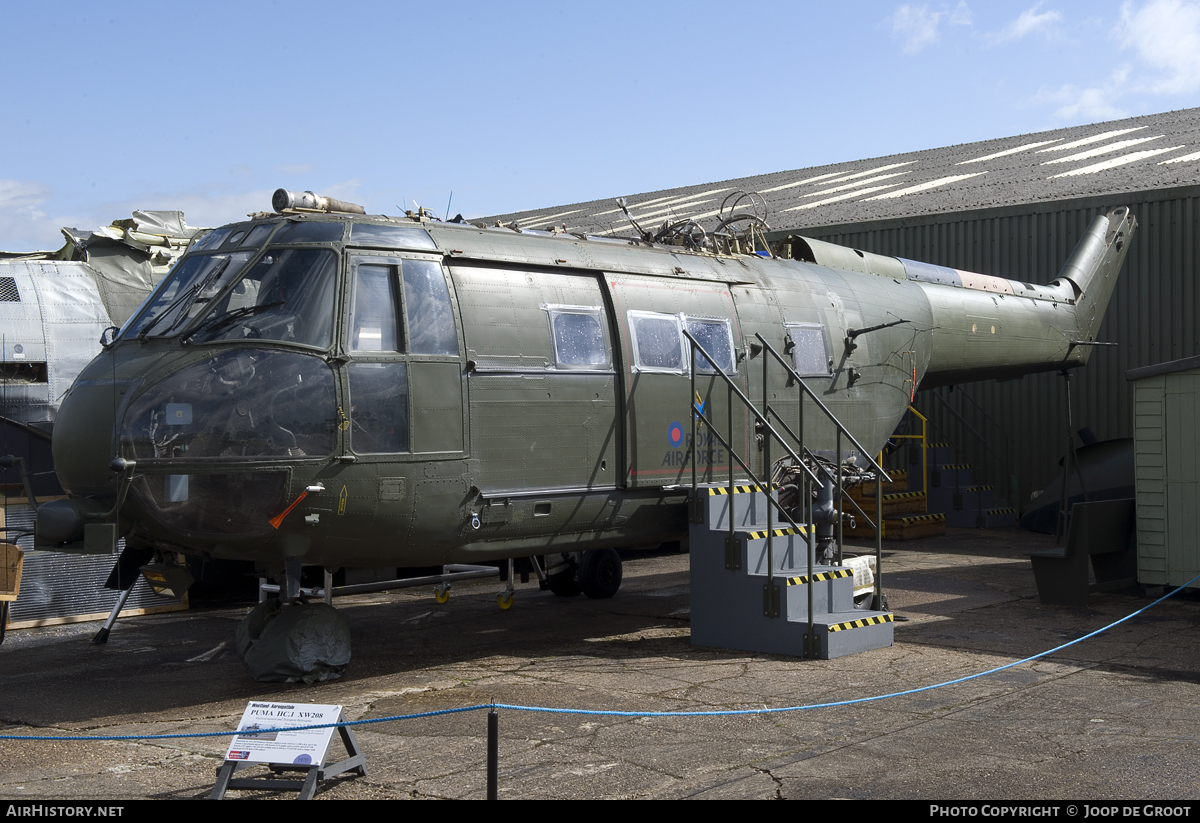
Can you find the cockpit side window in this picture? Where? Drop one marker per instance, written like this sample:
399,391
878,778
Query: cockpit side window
427,309
373,323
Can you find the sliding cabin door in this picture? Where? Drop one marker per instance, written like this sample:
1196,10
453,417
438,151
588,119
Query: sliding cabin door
542,380
652,313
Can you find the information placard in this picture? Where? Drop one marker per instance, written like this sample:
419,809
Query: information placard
306,747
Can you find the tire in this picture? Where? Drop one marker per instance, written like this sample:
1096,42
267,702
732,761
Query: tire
600,573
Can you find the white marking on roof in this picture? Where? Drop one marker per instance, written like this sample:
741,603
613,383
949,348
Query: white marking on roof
639,205
1007,152
800,182
926,186
662,201
876,170
540,218
1187,158
846,196
1115,161
665,210
1096,152
856,184
1095,138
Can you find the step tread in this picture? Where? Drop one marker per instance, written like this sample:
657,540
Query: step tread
828,573
845,621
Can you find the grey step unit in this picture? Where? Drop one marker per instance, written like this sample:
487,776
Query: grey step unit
977,508
727,603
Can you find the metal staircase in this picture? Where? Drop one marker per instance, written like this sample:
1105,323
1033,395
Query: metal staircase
756,584
727,586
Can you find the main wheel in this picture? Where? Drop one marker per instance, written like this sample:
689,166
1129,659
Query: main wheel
600,573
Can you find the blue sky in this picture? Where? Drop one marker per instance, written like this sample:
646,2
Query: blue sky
208,107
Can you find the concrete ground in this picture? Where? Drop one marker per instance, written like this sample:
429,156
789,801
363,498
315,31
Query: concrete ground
1116,716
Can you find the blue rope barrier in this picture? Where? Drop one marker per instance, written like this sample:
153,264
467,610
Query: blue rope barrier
615,713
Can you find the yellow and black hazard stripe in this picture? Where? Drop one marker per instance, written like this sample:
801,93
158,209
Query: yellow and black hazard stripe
777,533
858,624
954,467
1002,511
919,518
736,490
821,577
903,495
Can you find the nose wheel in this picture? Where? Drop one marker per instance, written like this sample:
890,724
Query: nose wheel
505,598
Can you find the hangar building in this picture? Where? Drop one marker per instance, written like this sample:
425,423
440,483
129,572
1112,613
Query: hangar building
1012,207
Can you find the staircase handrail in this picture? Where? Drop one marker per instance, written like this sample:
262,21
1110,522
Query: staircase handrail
833,418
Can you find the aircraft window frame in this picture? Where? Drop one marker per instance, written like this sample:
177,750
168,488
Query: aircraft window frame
813,332
639,364
554,312
703,364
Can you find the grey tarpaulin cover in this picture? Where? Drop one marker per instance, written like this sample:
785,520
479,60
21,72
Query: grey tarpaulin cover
306,642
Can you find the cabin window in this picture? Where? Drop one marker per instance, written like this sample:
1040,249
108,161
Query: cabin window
578,337
379,408
715,337
657,342
810,356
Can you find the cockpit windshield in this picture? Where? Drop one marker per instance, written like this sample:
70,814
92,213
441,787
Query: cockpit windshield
186,292
287,295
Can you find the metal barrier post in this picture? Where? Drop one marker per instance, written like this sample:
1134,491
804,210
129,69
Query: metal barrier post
493,754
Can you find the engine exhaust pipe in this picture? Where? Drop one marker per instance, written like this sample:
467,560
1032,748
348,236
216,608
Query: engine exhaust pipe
307,201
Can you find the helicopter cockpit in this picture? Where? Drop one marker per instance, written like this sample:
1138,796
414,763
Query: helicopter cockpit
307,326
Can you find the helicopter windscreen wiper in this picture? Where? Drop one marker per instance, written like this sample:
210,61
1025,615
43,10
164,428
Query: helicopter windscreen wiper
223,320
181,305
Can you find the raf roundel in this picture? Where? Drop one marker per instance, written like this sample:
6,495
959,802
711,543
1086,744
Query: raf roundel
675,435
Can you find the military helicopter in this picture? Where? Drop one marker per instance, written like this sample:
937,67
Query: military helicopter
316,386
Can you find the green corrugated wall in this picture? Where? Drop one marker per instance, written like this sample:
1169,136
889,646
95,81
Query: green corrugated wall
1152,315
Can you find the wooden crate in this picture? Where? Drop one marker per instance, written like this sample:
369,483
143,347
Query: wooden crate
11,560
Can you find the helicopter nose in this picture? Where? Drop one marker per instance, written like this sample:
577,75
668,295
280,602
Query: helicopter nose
82,442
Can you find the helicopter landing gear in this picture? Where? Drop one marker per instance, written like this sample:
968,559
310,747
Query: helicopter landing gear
595,573
600,573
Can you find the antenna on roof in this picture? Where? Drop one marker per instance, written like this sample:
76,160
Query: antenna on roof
448,202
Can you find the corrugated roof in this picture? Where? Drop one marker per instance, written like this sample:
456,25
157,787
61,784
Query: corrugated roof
1138,154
